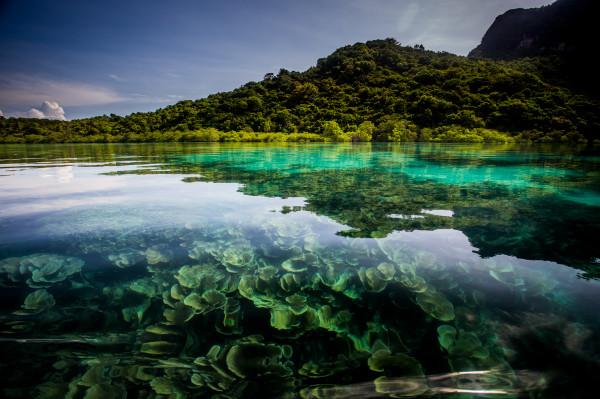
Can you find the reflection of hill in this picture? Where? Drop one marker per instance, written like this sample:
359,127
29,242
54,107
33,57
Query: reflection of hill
507,200
496,220
510,204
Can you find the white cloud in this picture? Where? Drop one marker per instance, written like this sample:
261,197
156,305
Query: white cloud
24,90
116,77
34,113
48,110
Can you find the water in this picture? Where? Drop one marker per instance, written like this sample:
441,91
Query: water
299,271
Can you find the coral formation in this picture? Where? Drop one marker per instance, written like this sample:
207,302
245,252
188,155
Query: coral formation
228,313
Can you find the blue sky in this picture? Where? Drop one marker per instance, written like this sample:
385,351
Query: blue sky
77,58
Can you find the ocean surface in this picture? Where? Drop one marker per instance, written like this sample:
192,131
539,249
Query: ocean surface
299,271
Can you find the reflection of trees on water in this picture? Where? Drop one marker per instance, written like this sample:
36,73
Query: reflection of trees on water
513,203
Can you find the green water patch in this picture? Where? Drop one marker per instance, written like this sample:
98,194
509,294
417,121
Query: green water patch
494,191
285,271
277,303
528,222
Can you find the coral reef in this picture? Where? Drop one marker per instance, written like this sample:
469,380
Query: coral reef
231,313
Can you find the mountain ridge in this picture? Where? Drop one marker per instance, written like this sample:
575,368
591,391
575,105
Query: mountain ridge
561,38
378,90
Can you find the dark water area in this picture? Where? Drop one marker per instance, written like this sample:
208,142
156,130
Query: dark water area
299,271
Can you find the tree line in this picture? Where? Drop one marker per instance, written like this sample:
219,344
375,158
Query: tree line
373,91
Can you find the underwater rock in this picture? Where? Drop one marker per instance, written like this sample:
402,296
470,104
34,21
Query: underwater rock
39,300
40,270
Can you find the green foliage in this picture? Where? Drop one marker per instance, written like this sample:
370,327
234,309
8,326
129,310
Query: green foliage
456,134
377,90
365,131
397,130
332,130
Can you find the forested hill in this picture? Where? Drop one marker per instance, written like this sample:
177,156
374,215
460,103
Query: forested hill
561,38
377,90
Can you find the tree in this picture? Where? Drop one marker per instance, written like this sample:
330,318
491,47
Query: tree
365,131
332,130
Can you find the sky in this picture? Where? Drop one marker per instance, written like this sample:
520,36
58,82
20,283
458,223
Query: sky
72,59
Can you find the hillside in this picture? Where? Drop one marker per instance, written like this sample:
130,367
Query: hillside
378,90
561,41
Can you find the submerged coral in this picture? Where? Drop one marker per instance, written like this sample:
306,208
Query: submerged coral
361,317
39,300
126,259
40,270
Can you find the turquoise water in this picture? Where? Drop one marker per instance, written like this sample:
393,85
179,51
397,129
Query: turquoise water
299,271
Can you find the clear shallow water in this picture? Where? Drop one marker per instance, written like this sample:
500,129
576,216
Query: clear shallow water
351,271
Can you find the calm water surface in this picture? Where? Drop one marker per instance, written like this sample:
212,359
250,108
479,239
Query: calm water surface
299,271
